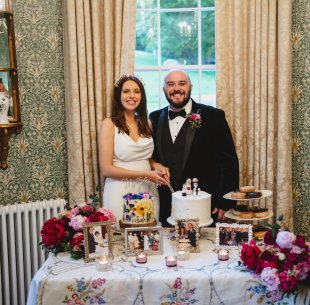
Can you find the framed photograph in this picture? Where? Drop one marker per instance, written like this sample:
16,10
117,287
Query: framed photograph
98,239
230,235
148,239
187,233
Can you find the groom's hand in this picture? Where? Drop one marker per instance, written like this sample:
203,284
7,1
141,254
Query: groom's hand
163,171
220,215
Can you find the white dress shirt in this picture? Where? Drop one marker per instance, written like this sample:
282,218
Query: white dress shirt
176,124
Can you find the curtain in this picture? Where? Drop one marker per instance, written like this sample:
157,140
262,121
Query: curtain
99,44
253,62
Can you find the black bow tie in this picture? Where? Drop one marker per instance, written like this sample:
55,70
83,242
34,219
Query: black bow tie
174,114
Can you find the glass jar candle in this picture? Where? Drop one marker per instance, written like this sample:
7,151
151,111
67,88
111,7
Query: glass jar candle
104,263
223,255
171,261
141,257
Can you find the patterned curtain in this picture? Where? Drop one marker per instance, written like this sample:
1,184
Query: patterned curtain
253,62
99,44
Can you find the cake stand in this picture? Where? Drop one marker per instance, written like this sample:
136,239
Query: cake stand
205,224
229,213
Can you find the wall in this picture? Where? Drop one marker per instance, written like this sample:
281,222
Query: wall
301,115
37,157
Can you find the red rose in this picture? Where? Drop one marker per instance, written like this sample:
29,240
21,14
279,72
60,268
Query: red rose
250,255
88,209
287,283
269,239
299,241
97,216
77,239
53,232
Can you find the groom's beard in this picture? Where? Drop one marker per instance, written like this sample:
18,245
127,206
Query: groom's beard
178,105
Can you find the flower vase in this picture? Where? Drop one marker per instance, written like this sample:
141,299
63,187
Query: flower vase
4,108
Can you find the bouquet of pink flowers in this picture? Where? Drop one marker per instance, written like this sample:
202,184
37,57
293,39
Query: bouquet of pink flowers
64,233
282,263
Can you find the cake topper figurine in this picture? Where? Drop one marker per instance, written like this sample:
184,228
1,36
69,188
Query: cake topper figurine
195,184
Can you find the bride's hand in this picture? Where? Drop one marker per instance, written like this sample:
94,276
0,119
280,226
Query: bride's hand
162,170
157,178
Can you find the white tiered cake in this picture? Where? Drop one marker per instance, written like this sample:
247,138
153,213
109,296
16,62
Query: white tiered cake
191,206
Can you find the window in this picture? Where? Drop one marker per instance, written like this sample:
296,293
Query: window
172,34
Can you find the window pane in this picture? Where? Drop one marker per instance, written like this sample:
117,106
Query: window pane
194,76
208,88
146,3
207,3
150,80
179,43
146,39
207,37
178,3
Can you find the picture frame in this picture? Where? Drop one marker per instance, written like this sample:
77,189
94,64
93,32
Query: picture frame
187,233
231,235
98,239
147,239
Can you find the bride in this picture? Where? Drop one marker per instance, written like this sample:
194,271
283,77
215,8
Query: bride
126,147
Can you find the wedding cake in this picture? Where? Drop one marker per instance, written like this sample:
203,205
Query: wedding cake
138,210
190,203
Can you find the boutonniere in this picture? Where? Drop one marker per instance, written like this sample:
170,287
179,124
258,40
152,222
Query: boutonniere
194,119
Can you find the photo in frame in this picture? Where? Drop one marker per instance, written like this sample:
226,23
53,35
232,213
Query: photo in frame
98,239
232,235
147,239
187,233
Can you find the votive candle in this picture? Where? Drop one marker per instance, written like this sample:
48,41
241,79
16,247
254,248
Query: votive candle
223,255
141,258
171,261
103,263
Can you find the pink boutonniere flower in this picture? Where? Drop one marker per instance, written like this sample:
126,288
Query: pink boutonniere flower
194,119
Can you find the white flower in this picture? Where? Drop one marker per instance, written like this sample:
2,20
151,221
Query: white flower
285,239
281,256
296,250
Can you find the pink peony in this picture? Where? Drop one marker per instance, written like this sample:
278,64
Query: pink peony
270,277
302,271
77,222
285,239
108,213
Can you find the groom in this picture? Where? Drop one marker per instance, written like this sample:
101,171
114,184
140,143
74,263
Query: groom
193,149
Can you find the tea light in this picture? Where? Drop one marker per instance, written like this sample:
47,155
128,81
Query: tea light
183,254
223,255
171,261
103,263
141,258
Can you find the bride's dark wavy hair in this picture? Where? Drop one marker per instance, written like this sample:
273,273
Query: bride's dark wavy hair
118,117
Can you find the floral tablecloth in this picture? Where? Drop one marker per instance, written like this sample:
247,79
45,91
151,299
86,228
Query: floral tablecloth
200,280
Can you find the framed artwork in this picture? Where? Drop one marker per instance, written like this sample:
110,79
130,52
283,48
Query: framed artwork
231,235
148,239
187,233
98,239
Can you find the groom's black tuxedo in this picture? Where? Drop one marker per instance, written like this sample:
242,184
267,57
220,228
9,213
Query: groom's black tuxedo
207,153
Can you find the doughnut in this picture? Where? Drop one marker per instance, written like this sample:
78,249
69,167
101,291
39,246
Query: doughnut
256,194
238,195
246,215
247,189
261,212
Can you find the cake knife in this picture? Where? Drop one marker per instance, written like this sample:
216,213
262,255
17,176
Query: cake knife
170,188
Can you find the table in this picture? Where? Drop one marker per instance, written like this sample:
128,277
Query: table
203,279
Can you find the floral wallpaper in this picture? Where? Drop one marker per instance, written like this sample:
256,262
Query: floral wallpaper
301,115
37,157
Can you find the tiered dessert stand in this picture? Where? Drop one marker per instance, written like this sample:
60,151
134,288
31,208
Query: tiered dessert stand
249,201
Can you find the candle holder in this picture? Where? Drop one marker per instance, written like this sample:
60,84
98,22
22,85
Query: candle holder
171,261
223,255
183,253
141,257
104,262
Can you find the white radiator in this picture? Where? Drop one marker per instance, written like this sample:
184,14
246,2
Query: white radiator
20,253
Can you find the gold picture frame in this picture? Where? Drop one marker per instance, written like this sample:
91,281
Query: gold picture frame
187,233
136,238
98,239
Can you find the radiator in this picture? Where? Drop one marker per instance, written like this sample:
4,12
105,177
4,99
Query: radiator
20,253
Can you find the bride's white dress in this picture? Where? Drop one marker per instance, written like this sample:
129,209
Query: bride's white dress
135,156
